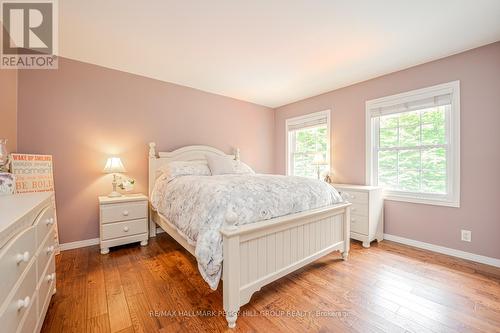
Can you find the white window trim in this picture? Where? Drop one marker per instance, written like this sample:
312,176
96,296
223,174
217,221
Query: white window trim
302,119
453,199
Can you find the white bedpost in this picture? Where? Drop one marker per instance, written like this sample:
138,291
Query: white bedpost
347,232
237,154
152,150
151,176
231,270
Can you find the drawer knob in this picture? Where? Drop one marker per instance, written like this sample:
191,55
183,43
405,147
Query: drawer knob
50,249
51,277
353,209
125,229
23,303
49,221
353,220
125,213
23,257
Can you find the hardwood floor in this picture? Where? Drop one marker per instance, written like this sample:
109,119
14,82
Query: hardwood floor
386,288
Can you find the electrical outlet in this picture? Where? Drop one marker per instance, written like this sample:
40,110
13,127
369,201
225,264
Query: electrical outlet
466,235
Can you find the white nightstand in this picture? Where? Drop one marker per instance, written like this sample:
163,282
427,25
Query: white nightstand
367,212
123,220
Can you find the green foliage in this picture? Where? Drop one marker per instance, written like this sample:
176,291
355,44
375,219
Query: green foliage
420,169
308,142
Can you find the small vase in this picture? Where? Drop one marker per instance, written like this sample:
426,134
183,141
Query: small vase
4,156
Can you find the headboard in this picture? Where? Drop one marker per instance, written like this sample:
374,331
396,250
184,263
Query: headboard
187,153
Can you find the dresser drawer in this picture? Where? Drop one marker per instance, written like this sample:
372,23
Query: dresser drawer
125,211
14,258
121,229
46,285
46,253
359,209
19,304
359,224
44,224
31,318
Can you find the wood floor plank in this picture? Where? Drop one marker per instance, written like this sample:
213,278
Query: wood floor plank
98,324
385,288
118,313
97,305
76,303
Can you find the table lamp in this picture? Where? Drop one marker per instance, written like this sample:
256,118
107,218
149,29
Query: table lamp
317,161
114,165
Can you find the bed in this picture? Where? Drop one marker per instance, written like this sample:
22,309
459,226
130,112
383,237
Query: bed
257,253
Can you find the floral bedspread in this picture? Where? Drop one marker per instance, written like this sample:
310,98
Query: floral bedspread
196,205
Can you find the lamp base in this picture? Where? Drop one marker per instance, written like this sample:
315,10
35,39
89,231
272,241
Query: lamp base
114,194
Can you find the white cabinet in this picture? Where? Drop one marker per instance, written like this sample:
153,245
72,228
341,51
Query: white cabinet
367,211
27,269
123,220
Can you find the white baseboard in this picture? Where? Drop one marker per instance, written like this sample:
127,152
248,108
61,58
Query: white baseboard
445,250
89,242
78,244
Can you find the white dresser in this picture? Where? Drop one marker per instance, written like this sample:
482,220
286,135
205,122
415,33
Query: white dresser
27,261
123,220
367,212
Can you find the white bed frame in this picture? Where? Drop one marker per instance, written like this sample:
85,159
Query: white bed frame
257,254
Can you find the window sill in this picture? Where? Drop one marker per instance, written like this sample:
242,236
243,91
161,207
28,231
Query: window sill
419,200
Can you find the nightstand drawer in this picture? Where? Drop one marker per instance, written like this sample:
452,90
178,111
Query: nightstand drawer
124,211
121,229
359,224
357,197
359,209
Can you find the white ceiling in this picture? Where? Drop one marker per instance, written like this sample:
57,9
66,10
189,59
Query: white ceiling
271,52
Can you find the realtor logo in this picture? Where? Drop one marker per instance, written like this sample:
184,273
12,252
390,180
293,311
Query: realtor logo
29,37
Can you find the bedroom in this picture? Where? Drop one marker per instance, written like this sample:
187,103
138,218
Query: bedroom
250,166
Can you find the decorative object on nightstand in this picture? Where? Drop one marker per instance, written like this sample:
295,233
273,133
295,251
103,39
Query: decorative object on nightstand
318,161
367,211
123,220
114,165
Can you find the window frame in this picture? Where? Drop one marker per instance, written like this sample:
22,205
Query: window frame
452,197
296,121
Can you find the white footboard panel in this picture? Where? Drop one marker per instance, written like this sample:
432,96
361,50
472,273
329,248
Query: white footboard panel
266,258
257,254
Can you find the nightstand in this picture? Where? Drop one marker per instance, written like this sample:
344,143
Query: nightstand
123,220
367,211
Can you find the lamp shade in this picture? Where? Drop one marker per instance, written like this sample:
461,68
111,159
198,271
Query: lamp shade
318,159
114,164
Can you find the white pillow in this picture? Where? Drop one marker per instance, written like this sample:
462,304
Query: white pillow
176,169
240,167
222,165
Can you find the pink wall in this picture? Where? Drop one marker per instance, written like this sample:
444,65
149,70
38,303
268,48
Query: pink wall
8,107
479,73
82,113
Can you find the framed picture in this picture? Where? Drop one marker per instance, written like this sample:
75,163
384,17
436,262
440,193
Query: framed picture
33,173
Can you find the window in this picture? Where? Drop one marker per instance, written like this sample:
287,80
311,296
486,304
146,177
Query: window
308,144
413,147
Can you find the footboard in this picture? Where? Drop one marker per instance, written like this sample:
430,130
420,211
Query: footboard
259,253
